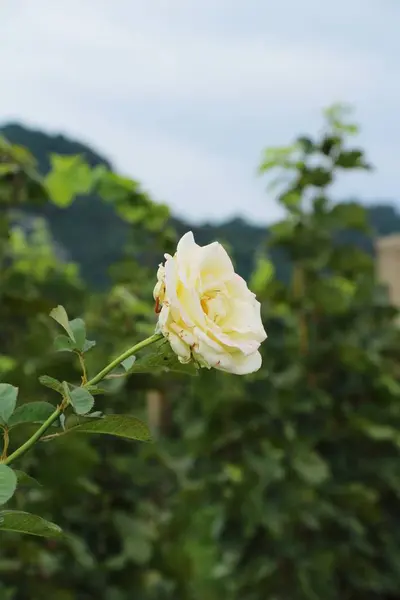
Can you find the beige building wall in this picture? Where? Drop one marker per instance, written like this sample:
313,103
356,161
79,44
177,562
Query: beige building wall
388,262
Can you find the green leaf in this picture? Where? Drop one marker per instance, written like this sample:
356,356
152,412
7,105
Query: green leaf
306,144
333,294
82,400
337,115
283,230
330,144
311,468
59,314
8,400
8,168
124,426
62,343
290,200
390,385
282,156
8,483
351,215
263,273
350,159
114,188
378,432
128,362
70,176
7,363
88,345
97,414
51,383
78,328
162,357
25,479
32,412
23,522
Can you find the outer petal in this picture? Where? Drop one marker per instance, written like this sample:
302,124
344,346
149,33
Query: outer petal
245,318
187,257
230,362
215,266
179,347
186,244
237,288
190,305
243,365
229,343
178,311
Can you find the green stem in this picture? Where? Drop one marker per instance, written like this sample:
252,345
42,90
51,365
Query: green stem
122,357
83,367
6,441
35,437
55,415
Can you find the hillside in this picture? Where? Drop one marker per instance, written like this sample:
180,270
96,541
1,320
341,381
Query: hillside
94,221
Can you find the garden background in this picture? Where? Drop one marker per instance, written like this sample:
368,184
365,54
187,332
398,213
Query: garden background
122,126
282,485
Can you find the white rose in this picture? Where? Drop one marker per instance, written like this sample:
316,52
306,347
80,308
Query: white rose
206,310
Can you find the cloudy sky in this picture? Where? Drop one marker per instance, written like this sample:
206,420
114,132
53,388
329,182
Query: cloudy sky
183,95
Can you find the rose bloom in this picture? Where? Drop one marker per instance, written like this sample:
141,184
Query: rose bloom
206,310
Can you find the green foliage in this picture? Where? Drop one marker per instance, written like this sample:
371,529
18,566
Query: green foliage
70,176
18,173
102,214
76,330
26,480
32,412
22,522
298,463
160,358
8,483
107,231
8,401
59,314
263,273
81,400
51,383
280,486
124,426
67,178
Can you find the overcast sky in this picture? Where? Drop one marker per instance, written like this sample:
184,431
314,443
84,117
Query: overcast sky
183,95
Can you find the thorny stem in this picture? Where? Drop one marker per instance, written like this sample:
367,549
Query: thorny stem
60,409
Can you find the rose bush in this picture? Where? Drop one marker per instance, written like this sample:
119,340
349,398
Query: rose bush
206,310
208,317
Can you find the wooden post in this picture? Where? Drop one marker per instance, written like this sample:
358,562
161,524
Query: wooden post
155,411
388,264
